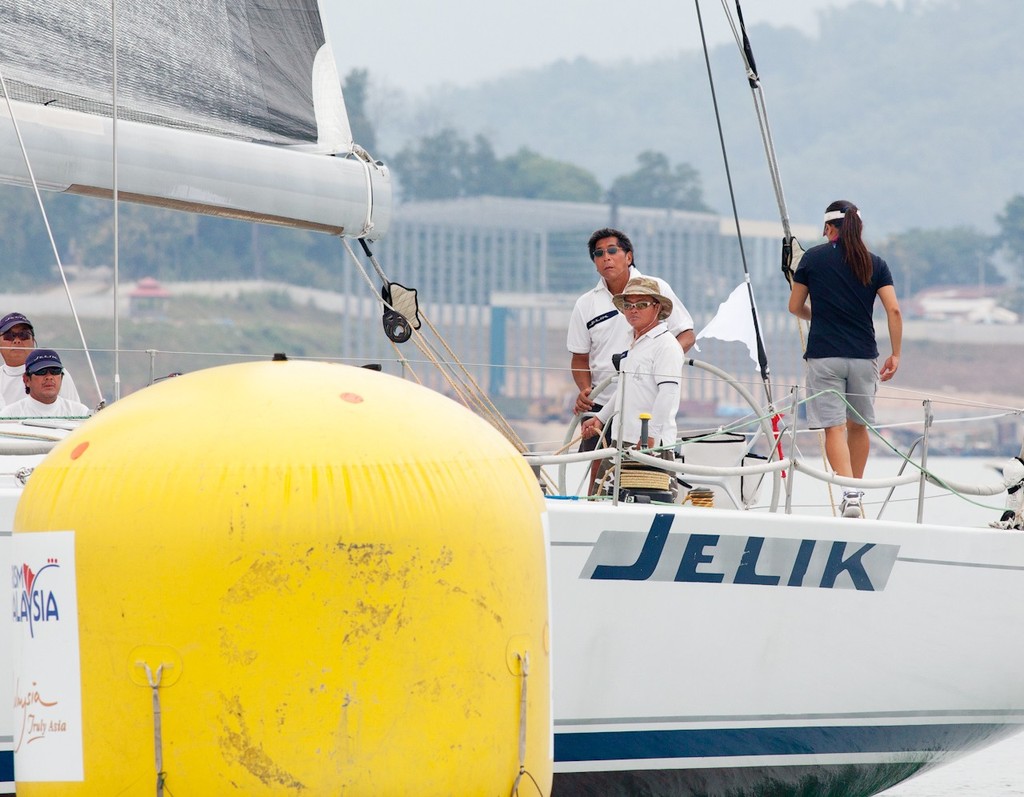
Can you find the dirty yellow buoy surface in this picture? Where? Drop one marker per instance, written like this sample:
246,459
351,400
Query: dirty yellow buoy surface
290,578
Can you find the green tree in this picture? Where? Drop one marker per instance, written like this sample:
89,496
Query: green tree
655,184
433,168
533,176
923,259
1011,229
445,166
355,90
482,171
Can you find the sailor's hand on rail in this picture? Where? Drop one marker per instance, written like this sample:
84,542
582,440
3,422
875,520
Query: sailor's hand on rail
591,427
583,402
889,367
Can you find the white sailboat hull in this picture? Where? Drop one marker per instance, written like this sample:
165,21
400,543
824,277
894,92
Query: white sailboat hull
711,651
194,172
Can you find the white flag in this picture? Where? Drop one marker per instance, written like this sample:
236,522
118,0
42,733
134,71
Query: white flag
734,321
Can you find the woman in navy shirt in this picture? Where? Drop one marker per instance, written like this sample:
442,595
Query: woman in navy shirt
842,278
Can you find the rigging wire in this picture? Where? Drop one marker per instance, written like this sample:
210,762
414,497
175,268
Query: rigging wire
762,356
49,235
754,79
791,249
452,370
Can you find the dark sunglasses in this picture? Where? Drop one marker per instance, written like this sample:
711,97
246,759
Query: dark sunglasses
18,335
48,372
611,250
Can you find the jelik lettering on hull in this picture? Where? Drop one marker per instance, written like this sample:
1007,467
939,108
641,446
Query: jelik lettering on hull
657,555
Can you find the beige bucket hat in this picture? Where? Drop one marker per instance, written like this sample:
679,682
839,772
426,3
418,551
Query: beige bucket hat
644,286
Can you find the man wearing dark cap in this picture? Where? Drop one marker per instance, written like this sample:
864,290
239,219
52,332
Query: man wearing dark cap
17,339
42,380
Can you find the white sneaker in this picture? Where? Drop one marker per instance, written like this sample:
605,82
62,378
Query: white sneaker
851,506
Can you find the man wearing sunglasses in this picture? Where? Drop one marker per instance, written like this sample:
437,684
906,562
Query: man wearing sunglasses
597,330
17,339
652,366
42,380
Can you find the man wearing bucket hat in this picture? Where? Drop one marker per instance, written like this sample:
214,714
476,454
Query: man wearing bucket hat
17,339
651,369
42,380
597,330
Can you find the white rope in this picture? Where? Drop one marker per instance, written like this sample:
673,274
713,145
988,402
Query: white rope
364,157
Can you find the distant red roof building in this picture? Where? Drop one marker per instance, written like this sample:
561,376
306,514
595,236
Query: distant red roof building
149,299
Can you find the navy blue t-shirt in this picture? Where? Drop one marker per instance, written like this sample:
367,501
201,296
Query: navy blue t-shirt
841,306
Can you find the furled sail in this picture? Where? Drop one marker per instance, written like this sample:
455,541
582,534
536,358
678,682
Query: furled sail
224,107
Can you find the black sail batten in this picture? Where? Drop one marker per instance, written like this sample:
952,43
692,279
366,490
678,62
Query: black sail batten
748,51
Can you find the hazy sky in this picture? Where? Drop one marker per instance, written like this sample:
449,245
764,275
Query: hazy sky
411,44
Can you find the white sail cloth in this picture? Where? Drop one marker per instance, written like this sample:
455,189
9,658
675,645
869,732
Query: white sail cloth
734,321
224,107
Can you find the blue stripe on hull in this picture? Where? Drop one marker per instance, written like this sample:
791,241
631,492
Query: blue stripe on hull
6,772
836,779
683,744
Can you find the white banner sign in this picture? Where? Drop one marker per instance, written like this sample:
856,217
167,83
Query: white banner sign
6,681
47,677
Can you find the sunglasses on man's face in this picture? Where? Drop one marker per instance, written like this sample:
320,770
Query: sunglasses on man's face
611,250
23,335
48,372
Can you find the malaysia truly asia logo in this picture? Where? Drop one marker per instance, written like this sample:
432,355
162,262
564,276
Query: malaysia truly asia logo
33,601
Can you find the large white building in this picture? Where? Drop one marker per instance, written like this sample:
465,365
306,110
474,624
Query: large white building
498,277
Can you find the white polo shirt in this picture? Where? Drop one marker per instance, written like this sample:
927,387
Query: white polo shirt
652,370
28,407
12,386
598,329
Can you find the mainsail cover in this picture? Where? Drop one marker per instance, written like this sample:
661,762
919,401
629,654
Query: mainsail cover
192,75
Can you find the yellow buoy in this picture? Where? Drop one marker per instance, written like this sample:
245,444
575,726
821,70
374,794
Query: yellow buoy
291,578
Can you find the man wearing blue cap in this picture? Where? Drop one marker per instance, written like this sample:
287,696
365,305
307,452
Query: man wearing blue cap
17,339
42,379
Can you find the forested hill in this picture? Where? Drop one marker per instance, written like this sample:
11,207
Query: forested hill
915,113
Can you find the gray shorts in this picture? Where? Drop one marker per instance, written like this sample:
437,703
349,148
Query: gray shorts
852,385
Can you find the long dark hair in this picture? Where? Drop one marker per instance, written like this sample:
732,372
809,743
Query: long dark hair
850,227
